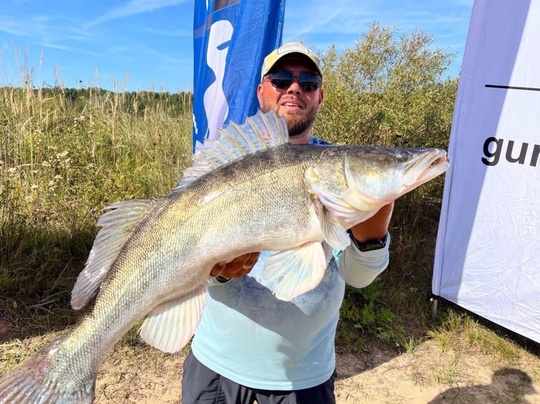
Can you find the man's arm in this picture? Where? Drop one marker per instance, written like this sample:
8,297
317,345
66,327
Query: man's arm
375,227
360,268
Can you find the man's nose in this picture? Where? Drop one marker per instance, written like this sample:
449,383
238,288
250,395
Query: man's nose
294,86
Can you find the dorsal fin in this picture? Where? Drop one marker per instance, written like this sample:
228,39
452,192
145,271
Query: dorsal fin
117,225
259,132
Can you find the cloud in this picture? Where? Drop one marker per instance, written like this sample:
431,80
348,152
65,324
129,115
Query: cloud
179,33
343,18
133,7
12,27
347,20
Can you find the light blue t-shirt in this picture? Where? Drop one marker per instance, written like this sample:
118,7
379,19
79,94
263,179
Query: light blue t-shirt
258,341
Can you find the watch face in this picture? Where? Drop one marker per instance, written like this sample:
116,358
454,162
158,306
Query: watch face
373,245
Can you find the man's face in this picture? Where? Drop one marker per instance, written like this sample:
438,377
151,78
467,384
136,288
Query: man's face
299,107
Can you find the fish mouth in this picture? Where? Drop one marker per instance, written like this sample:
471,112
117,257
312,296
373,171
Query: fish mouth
431,165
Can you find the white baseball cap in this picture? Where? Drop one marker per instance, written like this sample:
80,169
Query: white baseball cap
288,49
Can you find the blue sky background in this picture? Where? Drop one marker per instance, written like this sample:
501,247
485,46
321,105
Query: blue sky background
147,44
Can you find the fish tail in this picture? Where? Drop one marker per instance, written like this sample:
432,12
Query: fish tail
30,382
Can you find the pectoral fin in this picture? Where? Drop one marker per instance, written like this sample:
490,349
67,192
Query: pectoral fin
297,271
333,231
348,209
170,326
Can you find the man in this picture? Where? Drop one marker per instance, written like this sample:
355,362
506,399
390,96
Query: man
249,345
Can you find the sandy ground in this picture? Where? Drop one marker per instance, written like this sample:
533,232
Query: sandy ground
137,373
427,375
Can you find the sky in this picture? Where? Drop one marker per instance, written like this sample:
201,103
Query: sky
134,45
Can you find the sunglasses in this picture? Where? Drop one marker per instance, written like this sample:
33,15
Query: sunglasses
282,80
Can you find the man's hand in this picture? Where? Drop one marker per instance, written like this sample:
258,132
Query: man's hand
375,227
236,268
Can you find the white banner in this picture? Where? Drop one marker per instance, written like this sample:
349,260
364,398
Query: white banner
488,247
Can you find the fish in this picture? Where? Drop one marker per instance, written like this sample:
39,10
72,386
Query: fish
250,190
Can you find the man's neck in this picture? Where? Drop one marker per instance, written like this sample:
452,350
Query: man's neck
300,139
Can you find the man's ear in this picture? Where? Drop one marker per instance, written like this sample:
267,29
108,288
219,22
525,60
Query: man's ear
260,93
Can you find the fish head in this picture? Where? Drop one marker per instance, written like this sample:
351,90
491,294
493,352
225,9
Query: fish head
381,175
354,182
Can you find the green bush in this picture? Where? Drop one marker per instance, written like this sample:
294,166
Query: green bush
387,91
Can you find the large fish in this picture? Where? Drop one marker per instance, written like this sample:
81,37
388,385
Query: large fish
250,191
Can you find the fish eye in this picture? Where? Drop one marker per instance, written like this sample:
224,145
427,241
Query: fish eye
403,155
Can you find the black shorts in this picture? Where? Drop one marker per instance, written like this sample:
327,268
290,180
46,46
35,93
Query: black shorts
202,385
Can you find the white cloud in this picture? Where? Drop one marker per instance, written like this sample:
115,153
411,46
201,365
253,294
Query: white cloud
133,7
179,33
345,21
13,27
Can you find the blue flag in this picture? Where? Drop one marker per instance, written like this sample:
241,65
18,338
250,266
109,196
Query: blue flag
230,39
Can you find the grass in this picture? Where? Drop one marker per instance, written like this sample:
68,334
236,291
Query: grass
459,330
61,162
396,308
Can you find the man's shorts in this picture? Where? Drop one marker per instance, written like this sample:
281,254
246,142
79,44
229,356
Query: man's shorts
202,385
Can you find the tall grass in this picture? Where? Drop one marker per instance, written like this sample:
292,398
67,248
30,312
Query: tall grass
61,161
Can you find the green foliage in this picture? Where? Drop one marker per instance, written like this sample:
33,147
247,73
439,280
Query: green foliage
387,91
139,103
365,314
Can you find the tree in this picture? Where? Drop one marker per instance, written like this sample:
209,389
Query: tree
387,91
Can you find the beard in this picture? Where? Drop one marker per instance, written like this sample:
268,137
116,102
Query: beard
297,124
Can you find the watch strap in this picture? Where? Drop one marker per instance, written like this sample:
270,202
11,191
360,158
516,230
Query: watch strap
369,245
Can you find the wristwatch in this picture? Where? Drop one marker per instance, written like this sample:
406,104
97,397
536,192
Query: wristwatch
222,279
369,245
